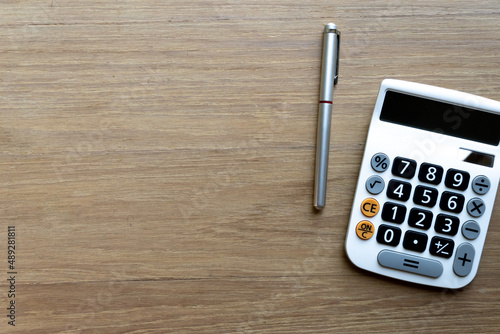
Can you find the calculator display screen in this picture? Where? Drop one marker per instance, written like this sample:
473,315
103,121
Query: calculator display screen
441,117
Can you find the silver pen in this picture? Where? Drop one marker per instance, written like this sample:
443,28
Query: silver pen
329,78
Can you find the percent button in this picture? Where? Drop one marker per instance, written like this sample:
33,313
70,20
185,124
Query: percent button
380,162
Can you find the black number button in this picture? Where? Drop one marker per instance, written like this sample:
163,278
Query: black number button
388,235
404,167
425,196
415,241
457,179
452,202
446,224
441,247
421,219
399,190
394,213
430,173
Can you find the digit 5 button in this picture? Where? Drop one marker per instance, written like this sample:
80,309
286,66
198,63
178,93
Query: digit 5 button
370,207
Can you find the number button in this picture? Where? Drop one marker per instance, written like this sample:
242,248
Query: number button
452,202
380,162
425,196
394,213
399,190
457,179
404,167
421,219
441,247
415,241
430,173
388,235
446,224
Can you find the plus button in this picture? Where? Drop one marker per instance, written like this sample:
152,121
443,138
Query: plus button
464,259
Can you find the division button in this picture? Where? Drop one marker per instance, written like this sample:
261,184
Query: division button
476,207
471,230
410,263
375,184
365,230
370,207
481,185
464,259
380,162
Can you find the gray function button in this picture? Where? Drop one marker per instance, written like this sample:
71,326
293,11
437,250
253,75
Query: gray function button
476,207
410,263
464,259
481,185
375,184
380,162
471,229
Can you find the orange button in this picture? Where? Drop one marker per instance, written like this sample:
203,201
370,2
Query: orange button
369,207
365,230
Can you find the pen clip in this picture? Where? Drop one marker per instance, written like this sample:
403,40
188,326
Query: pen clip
336,78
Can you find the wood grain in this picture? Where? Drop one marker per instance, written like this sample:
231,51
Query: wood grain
157,162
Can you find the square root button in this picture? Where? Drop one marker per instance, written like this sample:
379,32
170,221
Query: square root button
410,263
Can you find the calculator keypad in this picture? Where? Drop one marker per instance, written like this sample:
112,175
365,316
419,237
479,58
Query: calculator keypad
397,210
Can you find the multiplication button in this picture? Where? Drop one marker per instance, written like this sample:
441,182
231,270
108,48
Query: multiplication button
375,184
476,207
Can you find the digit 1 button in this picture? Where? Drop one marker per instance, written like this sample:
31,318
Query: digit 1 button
364,230
380,162
476,207
481,184
370,207
375,184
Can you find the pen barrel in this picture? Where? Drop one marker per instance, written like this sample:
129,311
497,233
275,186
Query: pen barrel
322,153
328,66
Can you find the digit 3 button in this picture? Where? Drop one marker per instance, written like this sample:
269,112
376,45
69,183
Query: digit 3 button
370,207
365,230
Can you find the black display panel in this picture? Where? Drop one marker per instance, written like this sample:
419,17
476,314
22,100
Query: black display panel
441,117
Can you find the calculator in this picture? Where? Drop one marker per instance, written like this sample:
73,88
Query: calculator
427,185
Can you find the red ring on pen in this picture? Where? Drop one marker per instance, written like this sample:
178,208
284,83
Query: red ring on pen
329,102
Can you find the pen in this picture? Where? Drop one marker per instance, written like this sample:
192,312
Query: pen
329,78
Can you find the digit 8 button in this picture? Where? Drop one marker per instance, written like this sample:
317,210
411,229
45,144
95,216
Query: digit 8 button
370,207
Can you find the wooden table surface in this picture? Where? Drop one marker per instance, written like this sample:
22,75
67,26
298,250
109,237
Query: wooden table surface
157,162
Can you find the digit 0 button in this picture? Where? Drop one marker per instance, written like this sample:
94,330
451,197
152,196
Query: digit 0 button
365,229
370,207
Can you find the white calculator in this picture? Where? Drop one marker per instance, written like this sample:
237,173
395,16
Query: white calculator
427,185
